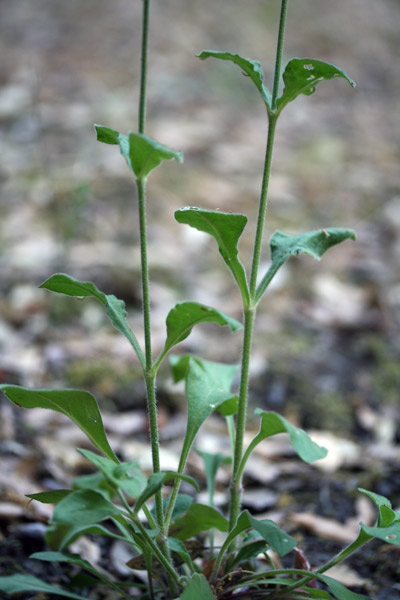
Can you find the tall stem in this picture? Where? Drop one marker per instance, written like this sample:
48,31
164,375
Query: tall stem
250,312
143,68
236,492
141,187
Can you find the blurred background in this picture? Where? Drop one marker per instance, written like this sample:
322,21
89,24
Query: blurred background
327,343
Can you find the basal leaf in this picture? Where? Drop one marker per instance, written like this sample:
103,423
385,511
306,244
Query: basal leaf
197,589
226,228
64,284
272,423
302,75
386,514
126,475
80,406
14,584
84,507
251,68
338,589
59,536
199,517
51,497
212,462
313,243
389,534
183,317
207,389
277,539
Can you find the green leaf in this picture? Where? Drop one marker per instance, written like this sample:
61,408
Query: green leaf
338,590
15,584
302,75
197,589
107,135
198,518
226,228
183,317
251,68
389,534
248,551
84,507
156,481
277,539
141,152
182,503
207,389
313,243
80,406
64,284
386,514
52,497
96,482
212,462
126,475
59,536
272,423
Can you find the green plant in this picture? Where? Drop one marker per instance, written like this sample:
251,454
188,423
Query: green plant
164,545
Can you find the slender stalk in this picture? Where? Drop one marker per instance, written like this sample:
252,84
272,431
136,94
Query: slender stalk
250,311
236,492
143,69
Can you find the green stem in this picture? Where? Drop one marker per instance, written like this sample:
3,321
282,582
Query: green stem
250,311
143,69
149,374
279,53
236,492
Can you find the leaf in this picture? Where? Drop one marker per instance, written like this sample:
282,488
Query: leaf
272,423
277,539
15,584
226,228
251,68
59,536
183,317
107,135
199,517
141,152
341,592
302,75
84,507
80,406
207,389
182,503
52,497
313,243
64,284
212,462
197,589
156,481
386,514
249,551
126,475
389,534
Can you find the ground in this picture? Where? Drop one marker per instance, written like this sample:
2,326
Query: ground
326,352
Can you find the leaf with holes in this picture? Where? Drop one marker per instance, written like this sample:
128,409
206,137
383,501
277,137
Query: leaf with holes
64,284
302,75
80,406
313,243
251,68
226,228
